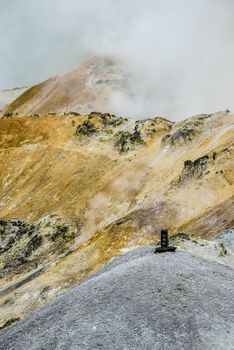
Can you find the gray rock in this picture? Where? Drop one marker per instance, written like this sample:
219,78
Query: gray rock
181,136
227,238
194,169
142,301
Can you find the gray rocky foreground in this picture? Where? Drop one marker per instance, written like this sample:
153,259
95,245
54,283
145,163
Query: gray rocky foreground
142,301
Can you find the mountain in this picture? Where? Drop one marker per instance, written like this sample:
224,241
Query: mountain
9,95
140,301
83,90
78,190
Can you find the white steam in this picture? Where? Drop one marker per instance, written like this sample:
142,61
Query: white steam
180,51
128,181
93,216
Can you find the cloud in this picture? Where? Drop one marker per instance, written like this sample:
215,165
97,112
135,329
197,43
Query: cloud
180,52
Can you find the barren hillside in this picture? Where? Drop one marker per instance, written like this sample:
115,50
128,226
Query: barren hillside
83,90
77,191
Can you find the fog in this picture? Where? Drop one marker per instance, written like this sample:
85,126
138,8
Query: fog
181,53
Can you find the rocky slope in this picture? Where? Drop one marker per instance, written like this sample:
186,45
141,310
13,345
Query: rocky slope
140,301
78,190
83,90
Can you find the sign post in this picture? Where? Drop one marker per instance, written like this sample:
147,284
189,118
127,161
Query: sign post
164,243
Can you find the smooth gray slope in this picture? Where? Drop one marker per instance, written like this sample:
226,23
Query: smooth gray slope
140,301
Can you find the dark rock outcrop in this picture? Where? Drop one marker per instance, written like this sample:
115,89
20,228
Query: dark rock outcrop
181,136
20,242
106,119
10,232
194,169
86,129
99,122
125,140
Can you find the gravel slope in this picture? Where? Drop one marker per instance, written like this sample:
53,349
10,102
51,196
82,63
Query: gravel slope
140,301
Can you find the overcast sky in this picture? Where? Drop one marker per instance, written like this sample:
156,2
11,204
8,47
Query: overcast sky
181,51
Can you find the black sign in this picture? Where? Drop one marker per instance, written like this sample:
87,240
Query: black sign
164,238
164,243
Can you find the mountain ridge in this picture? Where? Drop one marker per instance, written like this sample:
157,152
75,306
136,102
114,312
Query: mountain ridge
84,89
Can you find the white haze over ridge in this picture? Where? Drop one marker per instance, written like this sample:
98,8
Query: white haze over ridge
181,52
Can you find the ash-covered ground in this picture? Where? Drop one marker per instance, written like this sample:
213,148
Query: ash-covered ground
142,301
